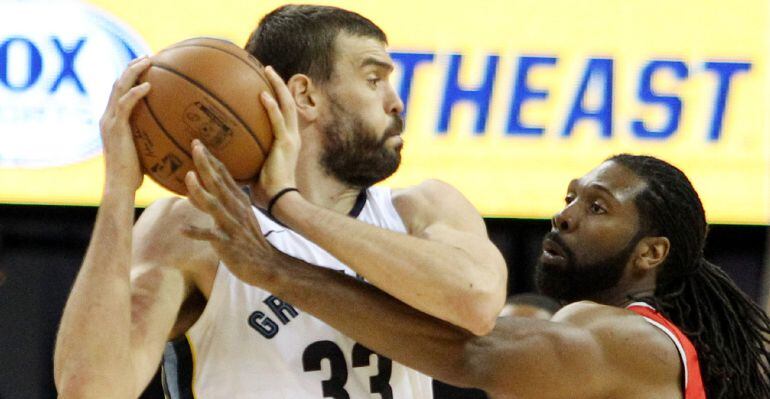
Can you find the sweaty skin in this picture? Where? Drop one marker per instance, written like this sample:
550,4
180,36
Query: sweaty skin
139,288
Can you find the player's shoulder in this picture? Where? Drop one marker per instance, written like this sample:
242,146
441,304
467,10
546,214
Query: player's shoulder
172,210
603,323
585,312
431,191
165,217
434,200
629,341
616,323
158,237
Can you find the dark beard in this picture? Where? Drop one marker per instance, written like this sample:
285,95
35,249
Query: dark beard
578,281
353,154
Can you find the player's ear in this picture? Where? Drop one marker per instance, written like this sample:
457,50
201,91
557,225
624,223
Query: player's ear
305,94
652,252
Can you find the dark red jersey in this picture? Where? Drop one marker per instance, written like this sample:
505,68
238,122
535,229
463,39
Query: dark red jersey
693,384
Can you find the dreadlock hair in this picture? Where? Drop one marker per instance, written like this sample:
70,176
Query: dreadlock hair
300,38
730,332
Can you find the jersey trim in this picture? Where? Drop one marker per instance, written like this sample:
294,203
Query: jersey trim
178,369
693,383
358,206
671,335
679,348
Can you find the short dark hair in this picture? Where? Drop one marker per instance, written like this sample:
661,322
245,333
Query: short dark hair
300,38
730,332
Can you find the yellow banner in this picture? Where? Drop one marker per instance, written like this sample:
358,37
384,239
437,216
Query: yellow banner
506,100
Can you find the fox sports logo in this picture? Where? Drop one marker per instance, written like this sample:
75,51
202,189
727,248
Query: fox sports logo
58,60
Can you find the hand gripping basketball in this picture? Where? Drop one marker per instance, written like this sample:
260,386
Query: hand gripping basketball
121,163
279,169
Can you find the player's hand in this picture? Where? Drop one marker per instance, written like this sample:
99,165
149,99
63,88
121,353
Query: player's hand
122,167
236,235
280,166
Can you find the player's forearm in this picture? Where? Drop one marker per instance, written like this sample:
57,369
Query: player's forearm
92,354
520,357
539,359
374,319
433,277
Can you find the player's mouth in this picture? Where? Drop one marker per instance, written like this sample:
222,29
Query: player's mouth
394,141
553,253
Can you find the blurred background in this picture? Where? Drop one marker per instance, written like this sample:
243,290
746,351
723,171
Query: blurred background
506,100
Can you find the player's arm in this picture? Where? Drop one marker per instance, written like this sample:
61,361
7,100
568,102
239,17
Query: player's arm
583,354
446,266
92,346
585,351
93,341
119,316
170,272
522,358
123,304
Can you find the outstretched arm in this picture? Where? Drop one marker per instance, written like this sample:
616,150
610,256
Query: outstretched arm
520,358
90,323
123,306
587,351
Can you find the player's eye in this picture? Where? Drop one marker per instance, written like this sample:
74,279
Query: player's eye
597,208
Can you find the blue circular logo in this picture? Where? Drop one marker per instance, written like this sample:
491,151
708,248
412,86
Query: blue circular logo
58,61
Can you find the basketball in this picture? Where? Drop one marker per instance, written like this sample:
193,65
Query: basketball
207,89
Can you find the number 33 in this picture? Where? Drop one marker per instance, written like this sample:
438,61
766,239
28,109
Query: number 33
334,387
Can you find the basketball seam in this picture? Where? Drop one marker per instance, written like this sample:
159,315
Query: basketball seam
255,69
219,100
215,48
163,129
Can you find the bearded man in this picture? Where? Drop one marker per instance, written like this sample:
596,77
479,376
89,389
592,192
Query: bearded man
337,122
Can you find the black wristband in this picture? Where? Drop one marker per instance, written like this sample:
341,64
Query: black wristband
276,197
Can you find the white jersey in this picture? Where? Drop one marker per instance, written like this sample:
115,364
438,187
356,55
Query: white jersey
249,344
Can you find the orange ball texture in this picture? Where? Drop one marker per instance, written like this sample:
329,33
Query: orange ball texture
207,89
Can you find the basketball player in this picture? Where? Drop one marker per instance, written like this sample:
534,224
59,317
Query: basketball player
649,316
337,125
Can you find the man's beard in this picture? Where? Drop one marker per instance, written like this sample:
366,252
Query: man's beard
353,154
577,281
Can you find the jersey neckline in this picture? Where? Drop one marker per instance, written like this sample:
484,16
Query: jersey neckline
358,206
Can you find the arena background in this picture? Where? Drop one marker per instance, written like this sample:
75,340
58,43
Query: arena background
506,100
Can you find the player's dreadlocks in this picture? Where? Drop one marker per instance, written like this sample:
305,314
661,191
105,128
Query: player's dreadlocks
730,332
